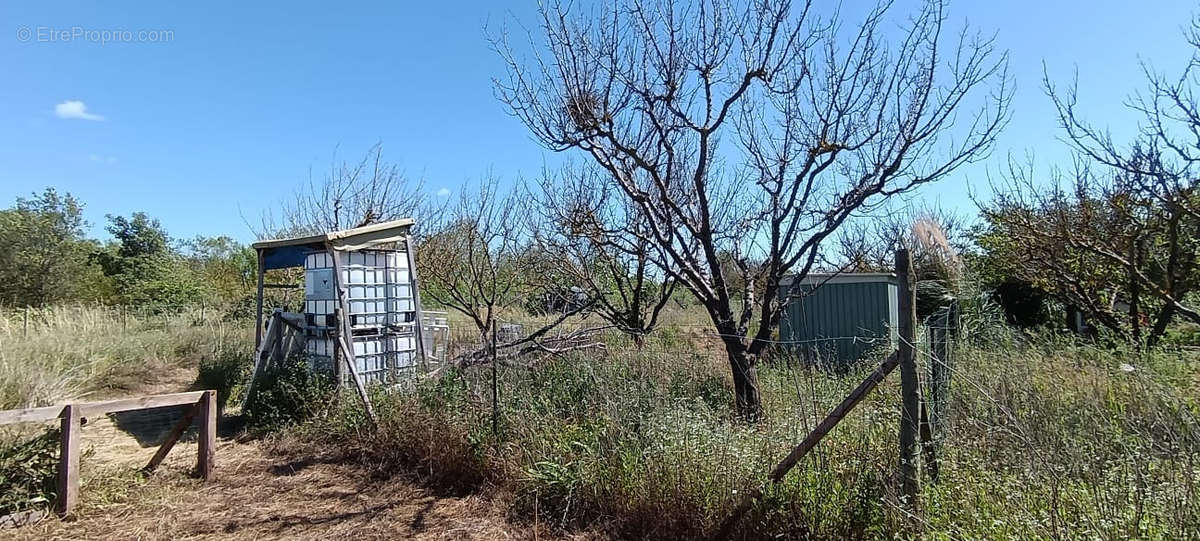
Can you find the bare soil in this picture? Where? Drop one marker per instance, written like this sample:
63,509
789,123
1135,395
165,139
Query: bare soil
262,490
259,494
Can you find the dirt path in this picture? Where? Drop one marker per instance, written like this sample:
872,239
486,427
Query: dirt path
260,492
258,495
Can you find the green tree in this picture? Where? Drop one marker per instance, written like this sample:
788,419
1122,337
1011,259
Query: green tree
144,267
43,252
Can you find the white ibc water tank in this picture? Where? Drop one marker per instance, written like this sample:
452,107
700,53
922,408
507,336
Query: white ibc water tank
380,300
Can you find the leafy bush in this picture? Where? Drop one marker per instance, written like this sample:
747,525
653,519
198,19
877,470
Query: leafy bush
288,393
227,371
28,471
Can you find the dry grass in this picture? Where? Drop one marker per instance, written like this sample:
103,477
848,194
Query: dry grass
272,490
74,352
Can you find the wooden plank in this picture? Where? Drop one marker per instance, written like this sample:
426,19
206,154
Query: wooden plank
910,397
827,424
172,437
358,385
206,454
158,401
68,461
30,415
422,352
92,409
260,364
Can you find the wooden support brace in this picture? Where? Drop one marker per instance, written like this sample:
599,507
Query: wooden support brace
827,424
172,437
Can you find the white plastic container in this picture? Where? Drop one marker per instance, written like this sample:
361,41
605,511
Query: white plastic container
379,296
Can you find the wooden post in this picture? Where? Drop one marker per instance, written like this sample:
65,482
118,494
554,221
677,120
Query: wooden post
928,448
258,330
910,398
25,326
206,454
68,461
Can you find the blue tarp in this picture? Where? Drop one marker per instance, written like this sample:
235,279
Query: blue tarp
287,256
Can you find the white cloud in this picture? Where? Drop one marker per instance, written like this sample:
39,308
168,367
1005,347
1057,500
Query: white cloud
75,109
101,159
444,192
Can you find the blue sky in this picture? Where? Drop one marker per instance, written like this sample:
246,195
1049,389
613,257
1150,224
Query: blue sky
224,118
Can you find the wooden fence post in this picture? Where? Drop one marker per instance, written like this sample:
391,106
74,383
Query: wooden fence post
206,454
68,461
910,397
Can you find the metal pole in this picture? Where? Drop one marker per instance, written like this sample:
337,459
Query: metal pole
495,386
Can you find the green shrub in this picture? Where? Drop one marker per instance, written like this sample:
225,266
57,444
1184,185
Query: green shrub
28,471
288,393
225,370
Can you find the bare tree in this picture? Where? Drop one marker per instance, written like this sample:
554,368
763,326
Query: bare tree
475,261
478,260
747,134
585,235
350,194
1099,243
1142,218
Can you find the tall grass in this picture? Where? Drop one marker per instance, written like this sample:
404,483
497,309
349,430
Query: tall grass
1045,438
72,352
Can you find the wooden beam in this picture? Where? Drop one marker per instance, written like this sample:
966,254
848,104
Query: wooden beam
827,424
158,401
172,437
260,364
206,454
282,286
31,415
68,462
259,303
352,372
422,353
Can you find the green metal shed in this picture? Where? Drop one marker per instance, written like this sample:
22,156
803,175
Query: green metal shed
839,317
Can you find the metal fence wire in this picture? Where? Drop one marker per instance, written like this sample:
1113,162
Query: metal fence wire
940,335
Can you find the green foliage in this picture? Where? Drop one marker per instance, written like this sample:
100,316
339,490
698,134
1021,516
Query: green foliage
641,443
288,393
28,471
227,371
43,252
143,267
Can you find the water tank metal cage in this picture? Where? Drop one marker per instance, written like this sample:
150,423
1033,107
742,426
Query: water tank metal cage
362,318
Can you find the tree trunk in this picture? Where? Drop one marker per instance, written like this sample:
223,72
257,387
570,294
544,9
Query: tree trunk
745,381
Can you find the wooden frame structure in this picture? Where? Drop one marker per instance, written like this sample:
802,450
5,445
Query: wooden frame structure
277,342
74,416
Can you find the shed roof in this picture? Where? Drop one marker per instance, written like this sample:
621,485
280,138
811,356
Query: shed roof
290,252
818,278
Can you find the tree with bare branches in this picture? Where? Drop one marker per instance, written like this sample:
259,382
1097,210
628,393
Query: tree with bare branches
350,194
1118,238
477,259
744,135
576,229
